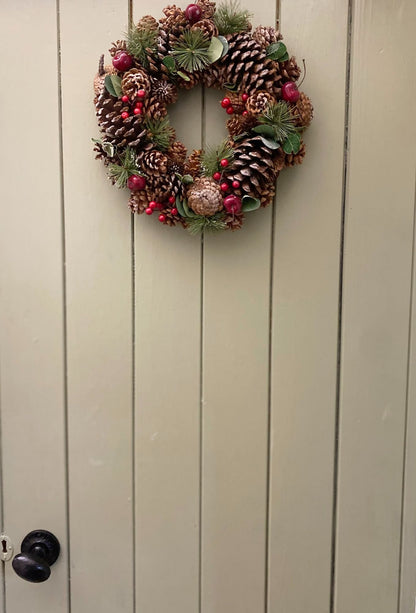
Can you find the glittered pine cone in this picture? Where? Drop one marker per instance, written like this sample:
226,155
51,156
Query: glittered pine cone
258,102
147,23
154,162
119,45
205,197
266,36
207,27
207,7
133,80
138,202
302,111
177,152
164,91
291,159
193,163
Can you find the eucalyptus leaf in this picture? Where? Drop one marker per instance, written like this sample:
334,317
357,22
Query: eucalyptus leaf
116,83
169,62
292,143
215,49
250,204
109,149
180,208
264,129
188,212
224,44
183,75
187,179
109,85
271,144
232,87
276,51
284,58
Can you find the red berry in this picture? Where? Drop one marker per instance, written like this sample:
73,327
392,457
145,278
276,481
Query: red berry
141,93
172,200
124,114
224,163
152,205
232,204
290,92
236,184
216,176
162,218
230,110
149,211
244,97
245,113
224,187
137,111
125,98
135,182
122,61
193,13
174,211
225,102
139,105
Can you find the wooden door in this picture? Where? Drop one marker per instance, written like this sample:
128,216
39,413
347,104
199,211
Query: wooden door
218,425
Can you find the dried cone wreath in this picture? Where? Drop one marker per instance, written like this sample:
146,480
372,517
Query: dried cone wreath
266,114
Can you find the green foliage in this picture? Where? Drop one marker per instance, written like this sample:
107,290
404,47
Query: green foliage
277,51
121,172
292,143
212,156
250,204
230,18
277,122
191,52
140,39
112,84
200,224
161,132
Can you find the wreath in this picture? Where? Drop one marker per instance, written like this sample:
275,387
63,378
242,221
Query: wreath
209,189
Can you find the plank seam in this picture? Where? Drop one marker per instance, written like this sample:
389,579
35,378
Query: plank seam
64,298
3,566
340,308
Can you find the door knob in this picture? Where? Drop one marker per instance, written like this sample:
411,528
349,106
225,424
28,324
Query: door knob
40,549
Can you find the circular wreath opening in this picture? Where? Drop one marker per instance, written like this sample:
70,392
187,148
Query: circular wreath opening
266,114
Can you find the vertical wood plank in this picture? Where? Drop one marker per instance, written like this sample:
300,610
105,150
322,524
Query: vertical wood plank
31,312
99,316
235,398
305,320
167,340
377,281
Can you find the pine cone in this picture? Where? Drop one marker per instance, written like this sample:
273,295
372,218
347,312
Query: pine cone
175,20
164,91
205,197
154,162
193,163
241,123
154,108
102,155
266,36
118,131
279,160
177,152
148,23
295,158
133,80
155,57
160,187
207,26
119,45
268,193
99,78
234,221
246,64
252,166
172,220
194,78
138,202
258,102
236,102
207,7
303,111
289,70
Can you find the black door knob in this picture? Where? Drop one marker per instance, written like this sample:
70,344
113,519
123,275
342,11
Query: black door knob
40,549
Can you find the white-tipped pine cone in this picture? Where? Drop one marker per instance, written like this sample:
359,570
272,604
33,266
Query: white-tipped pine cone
205,197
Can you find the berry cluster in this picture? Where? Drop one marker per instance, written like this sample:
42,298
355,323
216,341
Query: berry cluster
156,206
136,106
232,203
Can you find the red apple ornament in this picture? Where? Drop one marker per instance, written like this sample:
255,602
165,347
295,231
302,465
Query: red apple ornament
134,182
193,13
290,92
232,204
122,61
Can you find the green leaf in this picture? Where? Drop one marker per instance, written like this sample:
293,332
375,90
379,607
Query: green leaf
169,62
215,49
109,85
232,87
250,204
188,212
180,208
284,58
187,179
109,149
271,144
264,129
292,143
224,44
183,75
276,51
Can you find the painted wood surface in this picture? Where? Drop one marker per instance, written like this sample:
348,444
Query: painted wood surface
189,412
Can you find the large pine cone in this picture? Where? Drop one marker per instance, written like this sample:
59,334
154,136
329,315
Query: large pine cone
253,167
118,131
133,80
303,111
246,64
205,197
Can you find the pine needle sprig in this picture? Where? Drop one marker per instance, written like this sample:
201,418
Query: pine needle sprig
139,41
191,51
161,132
199,224
280,118
212,156
127,167
230,18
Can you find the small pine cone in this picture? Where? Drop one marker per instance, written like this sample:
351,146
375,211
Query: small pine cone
290,70
99,78
172,220
241,123
133,80
194,79
207,7
236,102
175,20
295,158
234,221
155,109
279,160
156,56
148,23
119,45
164,91
205,196
258,102
177,152
303,111
193,163
267,194
266,36
207,26
154,162
102,155
138,202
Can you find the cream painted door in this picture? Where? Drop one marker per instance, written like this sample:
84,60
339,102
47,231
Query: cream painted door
215,426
